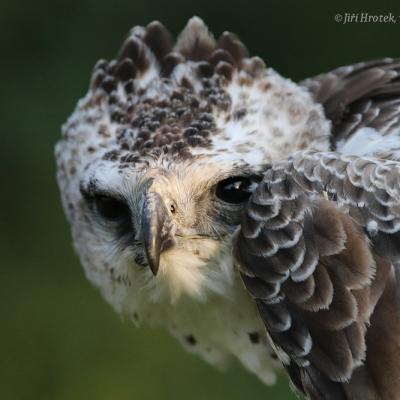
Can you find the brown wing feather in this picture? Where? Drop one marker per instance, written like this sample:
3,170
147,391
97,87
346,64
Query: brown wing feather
366,94
323,278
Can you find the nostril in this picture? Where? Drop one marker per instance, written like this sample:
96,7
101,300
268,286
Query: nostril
172,208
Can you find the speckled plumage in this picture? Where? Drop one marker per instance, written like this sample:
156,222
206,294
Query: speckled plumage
162,125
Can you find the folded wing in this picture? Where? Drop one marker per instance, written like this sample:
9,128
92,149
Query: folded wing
318,250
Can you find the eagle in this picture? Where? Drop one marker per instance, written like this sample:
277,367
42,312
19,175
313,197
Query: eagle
254,218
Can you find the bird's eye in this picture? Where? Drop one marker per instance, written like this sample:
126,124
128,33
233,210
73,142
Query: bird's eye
237,189
110,208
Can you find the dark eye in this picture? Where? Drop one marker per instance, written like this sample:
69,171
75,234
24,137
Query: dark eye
110,208
237,189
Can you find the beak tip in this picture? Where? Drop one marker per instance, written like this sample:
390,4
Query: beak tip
154,266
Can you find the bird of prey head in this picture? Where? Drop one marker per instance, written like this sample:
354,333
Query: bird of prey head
161,163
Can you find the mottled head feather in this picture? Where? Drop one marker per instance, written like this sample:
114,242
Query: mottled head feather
195,42
193,97
158,39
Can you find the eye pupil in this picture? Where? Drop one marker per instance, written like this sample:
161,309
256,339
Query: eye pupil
236,190
110,208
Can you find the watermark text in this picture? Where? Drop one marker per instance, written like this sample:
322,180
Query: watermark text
366,18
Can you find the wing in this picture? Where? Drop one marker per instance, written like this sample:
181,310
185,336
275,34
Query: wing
357,96
318,250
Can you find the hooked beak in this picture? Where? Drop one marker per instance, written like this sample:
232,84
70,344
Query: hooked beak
156,229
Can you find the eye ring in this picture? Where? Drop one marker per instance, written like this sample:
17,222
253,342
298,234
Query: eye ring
237,189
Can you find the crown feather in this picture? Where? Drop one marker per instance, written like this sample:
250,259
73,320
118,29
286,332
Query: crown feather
195,76
153,46
195,42
158,39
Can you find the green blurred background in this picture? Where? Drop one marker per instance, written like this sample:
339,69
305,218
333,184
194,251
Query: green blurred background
58,339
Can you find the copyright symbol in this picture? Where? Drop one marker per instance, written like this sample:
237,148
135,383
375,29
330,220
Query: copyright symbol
338,17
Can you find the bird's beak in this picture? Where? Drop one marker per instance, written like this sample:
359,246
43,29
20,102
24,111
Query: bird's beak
156,229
